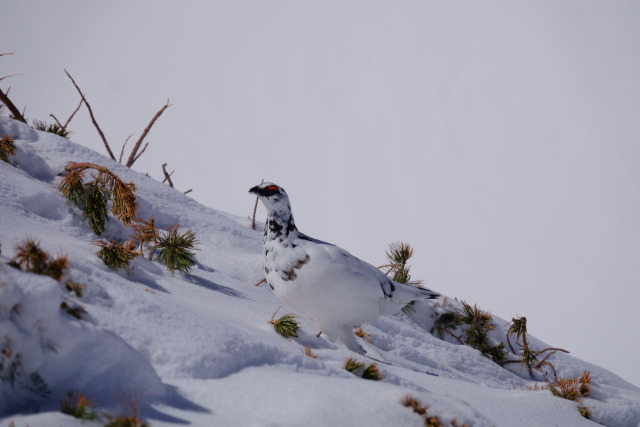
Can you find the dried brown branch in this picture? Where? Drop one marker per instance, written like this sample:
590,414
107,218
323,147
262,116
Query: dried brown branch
12,108
64,126
140,153
6,77
56,119
93,119
122,149
72,115
167,176
188,191
133,156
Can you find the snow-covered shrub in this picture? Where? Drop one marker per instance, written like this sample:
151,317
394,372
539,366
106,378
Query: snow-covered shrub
422,410
527,356
359,369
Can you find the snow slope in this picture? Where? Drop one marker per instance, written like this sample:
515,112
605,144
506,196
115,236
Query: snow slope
196,349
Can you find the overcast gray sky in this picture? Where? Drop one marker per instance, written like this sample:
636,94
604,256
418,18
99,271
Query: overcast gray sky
499,138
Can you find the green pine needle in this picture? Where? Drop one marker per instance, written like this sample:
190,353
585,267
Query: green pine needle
95,209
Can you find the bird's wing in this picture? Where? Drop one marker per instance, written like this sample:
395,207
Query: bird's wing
340,265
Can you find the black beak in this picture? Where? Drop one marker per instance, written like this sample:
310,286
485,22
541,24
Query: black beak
255,190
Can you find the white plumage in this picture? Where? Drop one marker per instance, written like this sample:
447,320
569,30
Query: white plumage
321,281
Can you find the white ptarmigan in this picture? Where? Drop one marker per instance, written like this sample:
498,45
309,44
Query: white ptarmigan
323,282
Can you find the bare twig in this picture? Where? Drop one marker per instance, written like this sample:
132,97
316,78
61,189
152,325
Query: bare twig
140,153
64,126
6,77
56,119
122,149
188,191
72,114
255,209
167,176
93,119
12,108
134,152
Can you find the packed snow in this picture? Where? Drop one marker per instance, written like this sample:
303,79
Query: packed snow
196,349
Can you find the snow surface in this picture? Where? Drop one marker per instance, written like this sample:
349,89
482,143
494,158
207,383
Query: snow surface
196,349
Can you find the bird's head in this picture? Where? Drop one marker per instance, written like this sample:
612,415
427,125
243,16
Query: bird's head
273,197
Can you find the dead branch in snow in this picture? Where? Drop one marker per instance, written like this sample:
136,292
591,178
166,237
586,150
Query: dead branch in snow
93,119
133,156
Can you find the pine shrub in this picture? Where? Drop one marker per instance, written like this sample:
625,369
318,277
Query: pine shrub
93,196
7,148
77,405
286,325
73,310
116,255
52,128
422,410
145,232
30,257
398,257
75,287
175,250
359,369
476,334
576,389
528,357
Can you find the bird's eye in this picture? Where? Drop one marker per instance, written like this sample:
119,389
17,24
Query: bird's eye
273,188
